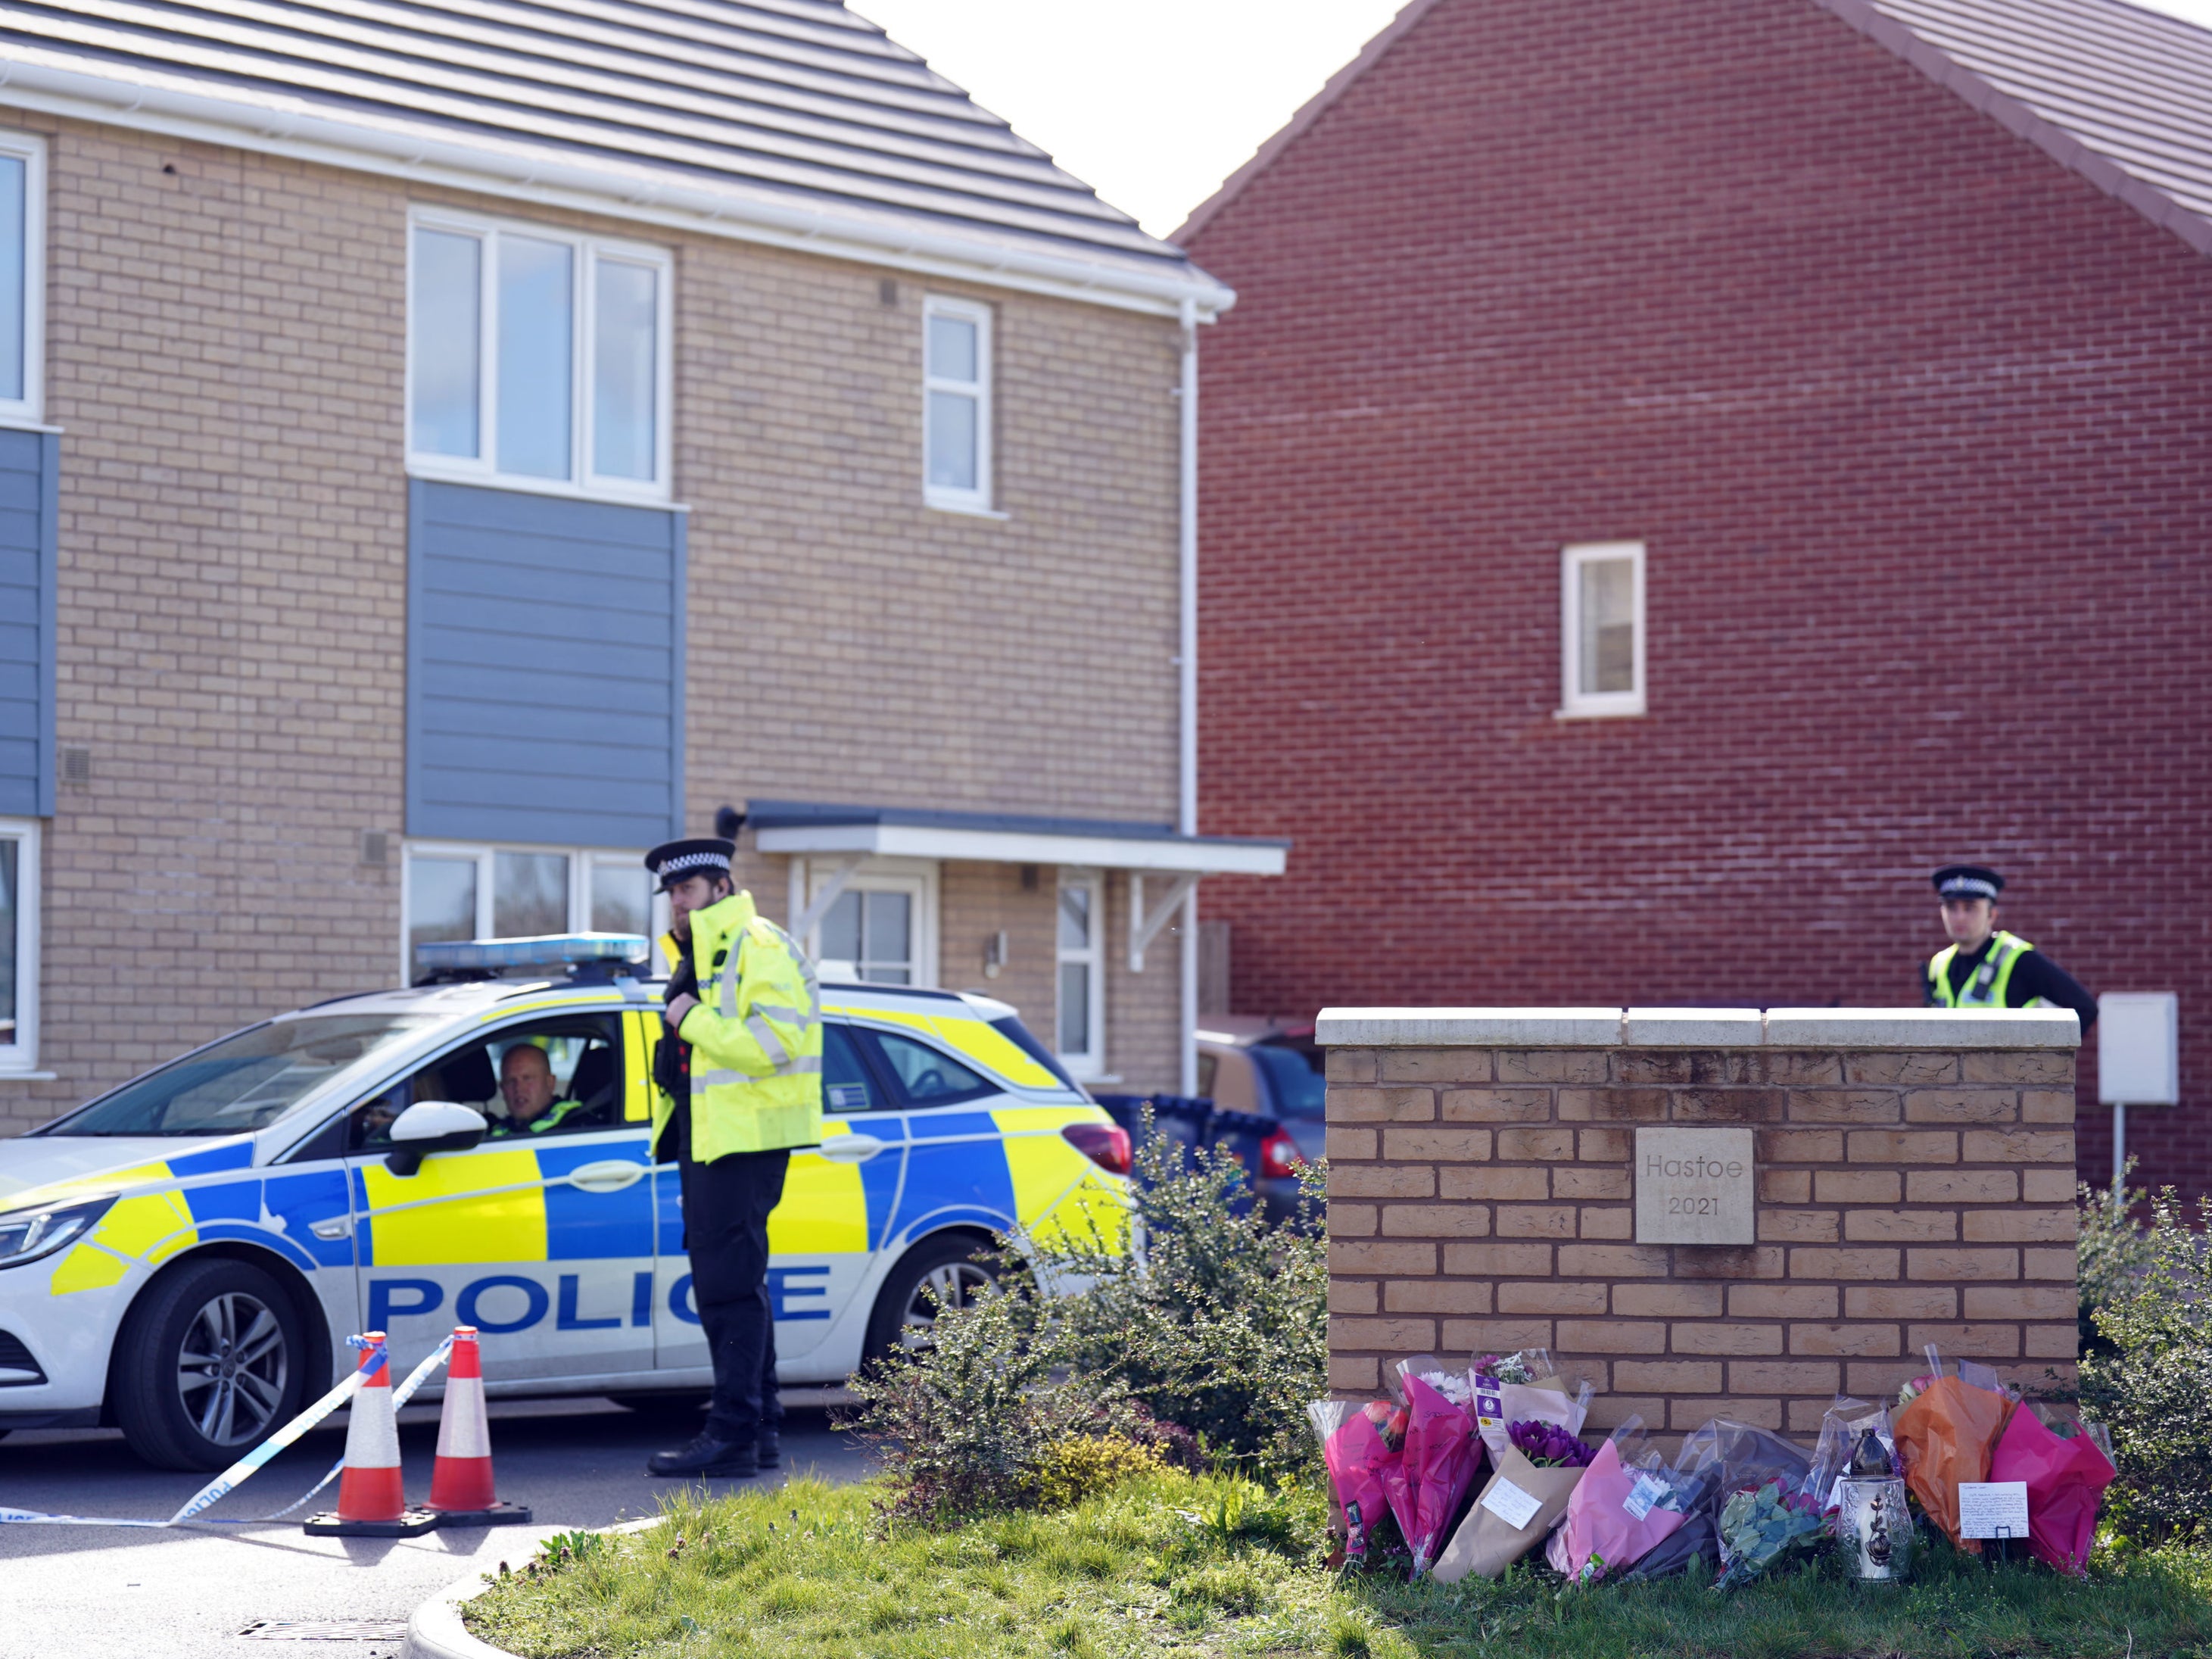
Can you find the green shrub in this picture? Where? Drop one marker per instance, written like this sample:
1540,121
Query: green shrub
1083,1466
970,1427
2153,1390
2111,1250
1209,1337
1221,1327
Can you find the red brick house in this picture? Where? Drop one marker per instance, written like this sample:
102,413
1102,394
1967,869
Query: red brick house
1677,473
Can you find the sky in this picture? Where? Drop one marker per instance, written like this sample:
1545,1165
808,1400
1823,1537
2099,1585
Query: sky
1154,102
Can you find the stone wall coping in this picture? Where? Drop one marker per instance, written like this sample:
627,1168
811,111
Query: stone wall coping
1701,1028
1468,1028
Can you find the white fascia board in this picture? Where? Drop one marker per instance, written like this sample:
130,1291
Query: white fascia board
425,153
1023,846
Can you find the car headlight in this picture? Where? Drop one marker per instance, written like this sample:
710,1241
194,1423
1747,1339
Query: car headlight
27,1235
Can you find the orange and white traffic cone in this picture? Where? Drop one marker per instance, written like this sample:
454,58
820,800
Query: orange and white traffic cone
372,1500
461,1487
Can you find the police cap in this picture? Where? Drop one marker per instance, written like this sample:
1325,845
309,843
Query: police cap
701,855
1968,881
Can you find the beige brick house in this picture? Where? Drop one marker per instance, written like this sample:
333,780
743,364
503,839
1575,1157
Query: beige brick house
442,454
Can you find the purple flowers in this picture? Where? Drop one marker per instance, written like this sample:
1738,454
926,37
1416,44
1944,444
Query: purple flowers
1548,1446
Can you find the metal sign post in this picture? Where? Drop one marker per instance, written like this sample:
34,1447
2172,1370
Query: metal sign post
2138,1060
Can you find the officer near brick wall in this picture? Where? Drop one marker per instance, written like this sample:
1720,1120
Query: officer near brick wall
739,1076
1985,967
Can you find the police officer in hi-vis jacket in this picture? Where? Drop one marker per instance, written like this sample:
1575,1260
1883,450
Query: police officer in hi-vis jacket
739,1076
1984,966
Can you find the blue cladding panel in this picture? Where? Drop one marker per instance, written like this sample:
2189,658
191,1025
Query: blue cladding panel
30,469
544,668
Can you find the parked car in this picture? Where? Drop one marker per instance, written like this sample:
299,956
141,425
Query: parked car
1271,1067
185,1256
1256,1139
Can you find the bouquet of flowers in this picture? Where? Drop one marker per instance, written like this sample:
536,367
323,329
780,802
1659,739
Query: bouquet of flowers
1548,1446
1361,1451
1537,1471
1626,1502
1528,1365
1425,1485
1761,1524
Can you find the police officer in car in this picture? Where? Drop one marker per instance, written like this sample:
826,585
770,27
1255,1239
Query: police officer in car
739,1076
1985,967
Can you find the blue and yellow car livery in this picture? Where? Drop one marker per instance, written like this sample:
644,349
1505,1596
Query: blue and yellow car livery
944,1123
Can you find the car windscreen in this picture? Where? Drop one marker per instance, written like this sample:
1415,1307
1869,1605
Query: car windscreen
248,1080
1293,1079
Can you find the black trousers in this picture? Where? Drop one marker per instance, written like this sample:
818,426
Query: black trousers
726,1211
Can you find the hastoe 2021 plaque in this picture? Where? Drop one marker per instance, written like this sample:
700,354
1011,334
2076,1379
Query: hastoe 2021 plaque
1695,1187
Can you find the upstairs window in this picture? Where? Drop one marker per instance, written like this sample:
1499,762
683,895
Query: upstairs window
957,404
537,358
22,275
457,891
1601,628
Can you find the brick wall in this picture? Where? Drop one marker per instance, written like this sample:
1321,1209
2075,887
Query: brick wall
226,336
1479,1198
1911,420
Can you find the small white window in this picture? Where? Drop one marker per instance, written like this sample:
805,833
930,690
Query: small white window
1601,628
537,358
18,946
457,891
1079,1018
882,926
22,276
957,404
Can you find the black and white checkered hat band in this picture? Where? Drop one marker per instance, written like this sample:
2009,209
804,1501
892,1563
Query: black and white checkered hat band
1968,887
683,861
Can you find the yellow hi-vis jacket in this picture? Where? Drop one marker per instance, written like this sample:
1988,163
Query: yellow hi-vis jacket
756,1036
1988,983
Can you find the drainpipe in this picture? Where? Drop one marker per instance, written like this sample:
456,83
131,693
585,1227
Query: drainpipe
1186,667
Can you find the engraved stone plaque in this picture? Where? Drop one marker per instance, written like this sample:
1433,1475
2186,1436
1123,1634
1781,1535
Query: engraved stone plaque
1695,1187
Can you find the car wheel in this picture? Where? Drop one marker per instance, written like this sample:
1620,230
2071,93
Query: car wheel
211,1360
938,1272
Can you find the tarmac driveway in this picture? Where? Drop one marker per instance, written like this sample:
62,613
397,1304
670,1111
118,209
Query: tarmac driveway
91,1593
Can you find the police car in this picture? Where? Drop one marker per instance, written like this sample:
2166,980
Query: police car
185,1256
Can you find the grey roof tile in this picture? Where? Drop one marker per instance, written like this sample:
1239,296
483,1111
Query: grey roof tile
802,99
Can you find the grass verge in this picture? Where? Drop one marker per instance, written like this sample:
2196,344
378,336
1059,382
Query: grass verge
1175,1564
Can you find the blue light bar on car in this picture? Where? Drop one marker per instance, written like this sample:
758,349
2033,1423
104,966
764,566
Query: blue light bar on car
545,950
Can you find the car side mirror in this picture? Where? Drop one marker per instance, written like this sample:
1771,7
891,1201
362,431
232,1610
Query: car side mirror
432,1126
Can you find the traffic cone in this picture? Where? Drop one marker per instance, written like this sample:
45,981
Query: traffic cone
461,1488
372,1502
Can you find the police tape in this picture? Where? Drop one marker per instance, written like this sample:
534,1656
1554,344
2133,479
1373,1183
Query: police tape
400,1396
231,1479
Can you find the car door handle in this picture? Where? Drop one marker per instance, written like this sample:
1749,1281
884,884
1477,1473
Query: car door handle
610,1177
851,1149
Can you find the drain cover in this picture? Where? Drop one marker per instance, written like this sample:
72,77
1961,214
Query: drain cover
328,1630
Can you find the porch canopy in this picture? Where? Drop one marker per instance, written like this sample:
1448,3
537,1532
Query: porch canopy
851,834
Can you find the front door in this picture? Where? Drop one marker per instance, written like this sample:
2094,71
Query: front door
541,1236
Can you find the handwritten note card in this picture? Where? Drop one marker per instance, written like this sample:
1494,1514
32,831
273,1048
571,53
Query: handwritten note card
1993,1509
1510,1504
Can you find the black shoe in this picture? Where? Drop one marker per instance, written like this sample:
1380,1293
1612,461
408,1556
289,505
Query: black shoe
708,1458
770,1455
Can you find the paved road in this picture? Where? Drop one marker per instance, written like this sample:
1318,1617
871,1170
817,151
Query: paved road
124,1593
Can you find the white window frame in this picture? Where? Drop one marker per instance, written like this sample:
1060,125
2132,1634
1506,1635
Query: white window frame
588,250
916,878
1089,1066
1575,704
30,409
20,1059
582,861
980,499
